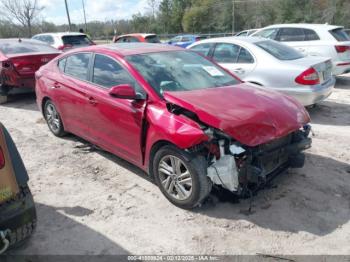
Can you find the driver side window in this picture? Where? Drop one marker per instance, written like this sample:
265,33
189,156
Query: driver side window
108,73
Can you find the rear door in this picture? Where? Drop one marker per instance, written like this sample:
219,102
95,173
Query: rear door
115,123
69,92
234,58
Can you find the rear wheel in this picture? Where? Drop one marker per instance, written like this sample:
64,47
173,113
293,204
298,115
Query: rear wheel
53,119
181,178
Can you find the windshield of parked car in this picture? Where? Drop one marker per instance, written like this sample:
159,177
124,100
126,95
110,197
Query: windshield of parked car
152,39
179,71
280,51
23,47
340,34
81,40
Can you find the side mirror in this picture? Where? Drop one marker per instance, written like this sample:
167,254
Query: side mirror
124,91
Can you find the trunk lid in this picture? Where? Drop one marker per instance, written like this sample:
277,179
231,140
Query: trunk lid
28,64
251,115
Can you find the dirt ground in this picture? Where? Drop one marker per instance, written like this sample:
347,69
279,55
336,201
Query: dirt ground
90,202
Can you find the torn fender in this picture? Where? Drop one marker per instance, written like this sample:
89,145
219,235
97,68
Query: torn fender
249,114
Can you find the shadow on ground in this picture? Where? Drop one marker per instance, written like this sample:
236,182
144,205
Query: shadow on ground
343,82
22,101
330,113
66,236
308,200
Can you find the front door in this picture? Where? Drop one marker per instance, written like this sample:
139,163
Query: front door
115,124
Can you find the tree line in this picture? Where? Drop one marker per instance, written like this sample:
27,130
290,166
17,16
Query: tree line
21,18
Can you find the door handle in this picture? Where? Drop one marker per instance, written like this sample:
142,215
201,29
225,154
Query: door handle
56,86
92,101
239,70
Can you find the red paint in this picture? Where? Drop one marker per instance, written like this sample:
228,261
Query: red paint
17,70
251,115
130,128
343,64
2,159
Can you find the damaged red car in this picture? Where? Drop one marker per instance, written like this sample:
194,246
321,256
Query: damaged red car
19,60
183,119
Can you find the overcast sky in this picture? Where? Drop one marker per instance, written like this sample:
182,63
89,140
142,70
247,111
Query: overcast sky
101,10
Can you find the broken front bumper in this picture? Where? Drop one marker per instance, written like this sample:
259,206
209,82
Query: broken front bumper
243,169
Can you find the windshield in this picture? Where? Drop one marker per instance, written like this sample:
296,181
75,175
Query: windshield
22,47
180,71
76,40
280,51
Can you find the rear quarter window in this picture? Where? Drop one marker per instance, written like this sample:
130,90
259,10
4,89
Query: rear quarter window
152,39
340,35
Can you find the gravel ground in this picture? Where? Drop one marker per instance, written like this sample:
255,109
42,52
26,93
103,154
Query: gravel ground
90,202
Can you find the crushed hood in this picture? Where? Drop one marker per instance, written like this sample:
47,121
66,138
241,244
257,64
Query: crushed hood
251,115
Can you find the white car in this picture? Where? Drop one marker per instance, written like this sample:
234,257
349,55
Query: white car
246,32
64,41
267,63
314,40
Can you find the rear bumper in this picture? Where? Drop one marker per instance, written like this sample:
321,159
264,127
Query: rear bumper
309,95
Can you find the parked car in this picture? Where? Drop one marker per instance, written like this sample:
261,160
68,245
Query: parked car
135,38
246,32
175,114
17,209
65,40
273,65
314,40
185,40
20,59
347,31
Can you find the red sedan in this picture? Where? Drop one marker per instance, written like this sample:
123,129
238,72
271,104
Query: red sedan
135,38
19,60
183,119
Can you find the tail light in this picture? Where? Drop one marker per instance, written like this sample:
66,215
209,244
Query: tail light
342,48
308,77
62,47
2,159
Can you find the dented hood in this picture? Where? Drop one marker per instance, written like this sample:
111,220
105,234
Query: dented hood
251,115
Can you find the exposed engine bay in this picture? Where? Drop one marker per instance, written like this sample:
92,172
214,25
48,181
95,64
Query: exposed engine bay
242,169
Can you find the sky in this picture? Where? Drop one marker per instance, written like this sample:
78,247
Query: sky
101,10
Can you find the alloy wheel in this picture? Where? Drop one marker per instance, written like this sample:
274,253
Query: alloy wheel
175,177
53,118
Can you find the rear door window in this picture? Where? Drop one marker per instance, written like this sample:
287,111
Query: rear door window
203,49
340,35
291,35
80,40
226,53
77,66
245,57
310,35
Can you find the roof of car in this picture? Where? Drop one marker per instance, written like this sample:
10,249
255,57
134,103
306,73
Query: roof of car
21,40
125,49
143,35
60,34
310,26
236,39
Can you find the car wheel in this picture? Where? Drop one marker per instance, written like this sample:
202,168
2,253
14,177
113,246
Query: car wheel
53,119
181,178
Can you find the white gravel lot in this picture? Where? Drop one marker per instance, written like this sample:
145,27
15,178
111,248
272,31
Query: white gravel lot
90,202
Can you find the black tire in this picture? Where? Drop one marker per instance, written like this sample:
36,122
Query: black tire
197,167
59,131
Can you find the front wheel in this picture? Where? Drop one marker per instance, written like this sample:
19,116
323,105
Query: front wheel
53,119
181,178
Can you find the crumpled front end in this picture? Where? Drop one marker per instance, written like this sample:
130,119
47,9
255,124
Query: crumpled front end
243,169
